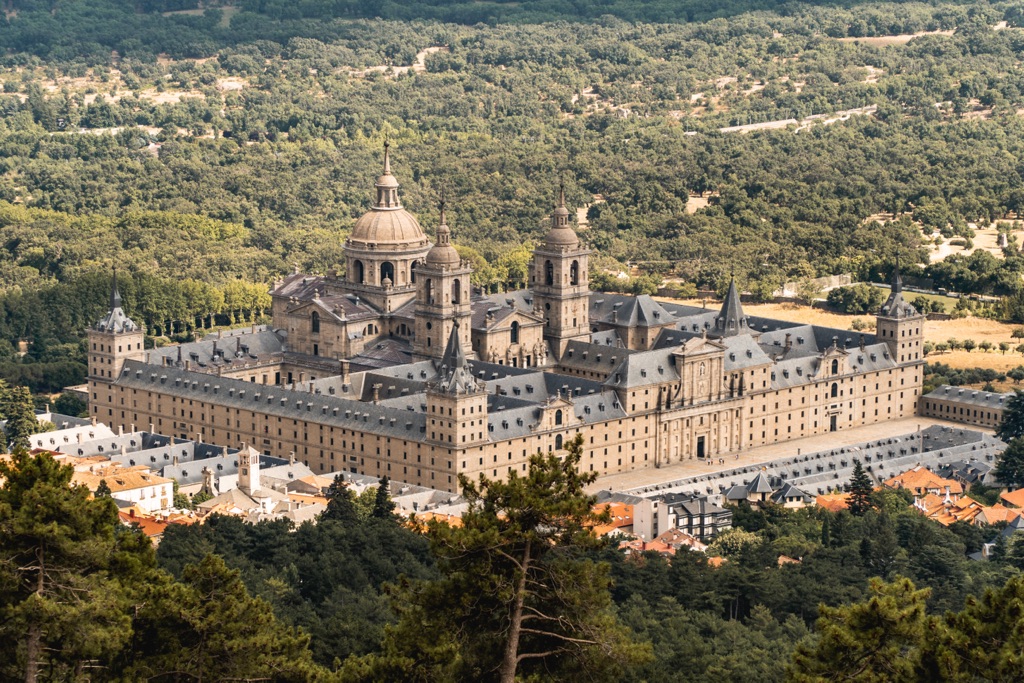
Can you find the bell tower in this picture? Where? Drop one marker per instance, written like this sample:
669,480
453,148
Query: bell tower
560,281
442,297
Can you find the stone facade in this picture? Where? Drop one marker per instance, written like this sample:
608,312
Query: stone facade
346,378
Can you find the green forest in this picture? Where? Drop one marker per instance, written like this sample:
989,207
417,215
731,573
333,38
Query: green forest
207,151
876,593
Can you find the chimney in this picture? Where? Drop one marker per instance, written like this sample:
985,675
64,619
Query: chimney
254,328
131,428
376,393
224,450
188,365
151,428
174,460
789,341
199,437
120,430
92,420
124,451
291,457
219,334
862,342
172,440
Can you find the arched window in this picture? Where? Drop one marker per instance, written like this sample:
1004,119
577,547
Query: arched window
574,273
558,442
558,417
514,336
549,273
412,272
456,291
428,291
387,270
315,319
835,366
835,389
358,272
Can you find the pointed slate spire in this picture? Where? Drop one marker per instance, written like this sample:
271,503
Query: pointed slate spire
897,279
115,296
456,376
896,306
116,320
731,320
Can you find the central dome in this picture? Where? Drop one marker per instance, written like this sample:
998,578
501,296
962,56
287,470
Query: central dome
387,223
388,227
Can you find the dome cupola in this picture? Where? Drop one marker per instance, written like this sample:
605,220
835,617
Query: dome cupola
443,254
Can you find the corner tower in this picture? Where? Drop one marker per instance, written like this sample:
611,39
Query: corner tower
456,401
442,296
899,324
384,248
113,340
560,281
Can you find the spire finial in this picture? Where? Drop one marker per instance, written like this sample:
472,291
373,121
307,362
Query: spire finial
561,193
115,295
387,158
897,279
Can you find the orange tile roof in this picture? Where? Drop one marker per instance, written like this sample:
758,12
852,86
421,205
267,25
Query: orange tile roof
451,520
152,525
920,480
948,512
716,561
834,502
1014,499
306,498
996,513
680,539
119,478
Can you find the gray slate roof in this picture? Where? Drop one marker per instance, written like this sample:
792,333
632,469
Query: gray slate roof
972,397
116,320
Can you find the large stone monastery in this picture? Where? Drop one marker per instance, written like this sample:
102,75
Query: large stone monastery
398,368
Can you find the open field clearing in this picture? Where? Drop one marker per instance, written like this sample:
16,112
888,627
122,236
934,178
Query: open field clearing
886,41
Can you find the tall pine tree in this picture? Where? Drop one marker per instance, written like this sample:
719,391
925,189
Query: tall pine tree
516,600
860,490
66,569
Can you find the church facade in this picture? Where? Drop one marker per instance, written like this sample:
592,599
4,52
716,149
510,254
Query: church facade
399,368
